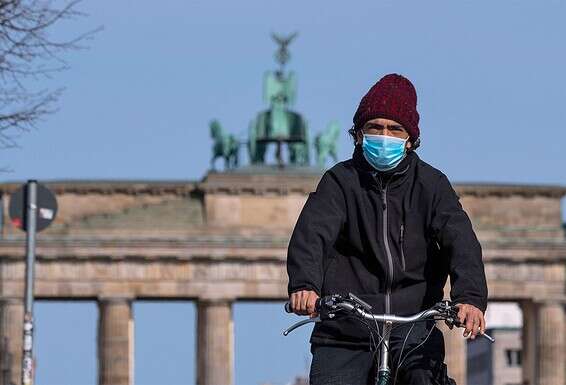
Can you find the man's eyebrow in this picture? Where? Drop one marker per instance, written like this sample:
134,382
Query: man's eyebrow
380,126
372,125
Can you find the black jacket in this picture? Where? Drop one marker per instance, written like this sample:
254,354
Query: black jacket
390,238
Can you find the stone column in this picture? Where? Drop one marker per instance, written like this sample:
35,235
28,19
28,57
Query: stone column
215,346
456,353
529,342
456,348
11,340
115,342
551,354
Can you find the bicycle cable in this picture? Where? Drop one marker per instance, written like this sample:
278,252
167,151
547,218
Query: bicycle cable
412,350
374,351
401,352
372,337
381,342
375,355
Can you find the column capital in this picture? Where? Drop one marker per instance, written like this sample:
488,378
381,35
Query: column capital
11,301
215,301
560,301
115,298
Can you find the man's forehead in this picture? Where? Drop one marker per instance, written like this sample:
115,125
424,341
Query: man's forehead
382,122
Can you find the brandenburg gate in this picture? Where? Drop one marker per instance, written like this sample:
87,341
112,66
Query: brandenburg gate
224,239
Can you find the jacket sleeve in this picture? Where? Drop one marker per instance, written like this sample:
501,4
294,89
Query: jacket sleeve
455,235
316,230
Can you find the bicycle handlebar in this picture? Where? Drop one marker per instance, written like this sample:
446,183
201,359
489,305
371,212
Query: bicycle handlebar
374,317
328,306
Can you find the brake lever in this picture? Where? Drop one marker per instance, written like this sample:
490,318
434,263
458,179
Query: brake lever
364,305
299,324
490,338
455,322
452,320
484,334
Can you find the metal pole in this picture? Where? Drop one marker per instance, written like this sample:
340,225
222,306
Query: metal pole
1,216
31,215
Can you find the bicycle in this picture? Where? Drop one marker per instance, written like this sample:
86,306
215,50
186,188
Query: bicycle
333,306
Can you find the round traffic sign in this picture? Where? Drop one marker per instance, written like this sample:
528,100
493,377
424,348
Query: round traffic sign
46,207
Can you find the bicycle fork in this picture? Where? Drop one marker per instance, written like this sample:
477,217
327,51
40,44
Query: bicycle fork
384,372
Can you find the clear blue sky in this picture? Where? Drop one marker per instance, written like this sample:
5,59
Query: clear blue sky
491,82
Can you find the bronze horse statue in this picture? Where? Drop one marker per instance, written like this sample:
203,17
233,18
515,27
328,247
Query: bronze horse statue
325,144
225,146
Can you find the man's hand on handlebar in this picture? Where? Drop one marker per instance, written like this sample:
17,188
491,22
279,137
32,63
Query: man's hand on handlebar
303,302
472,319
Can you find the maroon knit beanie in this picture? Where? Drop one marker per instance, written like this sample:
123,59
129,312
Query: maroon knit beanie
392,97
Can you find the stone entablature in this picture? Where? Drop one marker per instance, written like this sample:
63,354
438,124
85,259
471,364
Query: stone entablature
249,201
272,181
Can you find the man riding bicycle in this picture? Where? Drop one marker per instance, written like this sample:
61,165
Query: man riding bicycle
389,228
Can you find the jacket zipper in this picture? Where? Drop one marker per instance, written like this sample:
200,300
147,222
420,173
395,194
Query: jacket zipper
402,241
387,251
386,242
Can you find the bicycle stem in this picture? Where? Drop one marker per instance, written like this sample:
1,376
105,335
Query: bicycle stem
384,352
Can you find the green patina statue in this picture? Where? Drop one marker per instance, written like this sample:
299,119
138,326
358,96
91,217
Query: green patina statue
325,144
279,124
225,146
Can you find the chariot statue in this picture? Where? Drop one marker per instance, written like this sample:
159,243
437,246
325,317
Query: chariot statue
278,124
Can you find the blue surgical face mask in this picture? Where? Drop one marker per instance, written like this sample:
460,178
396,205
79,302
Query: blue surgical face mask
383,152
